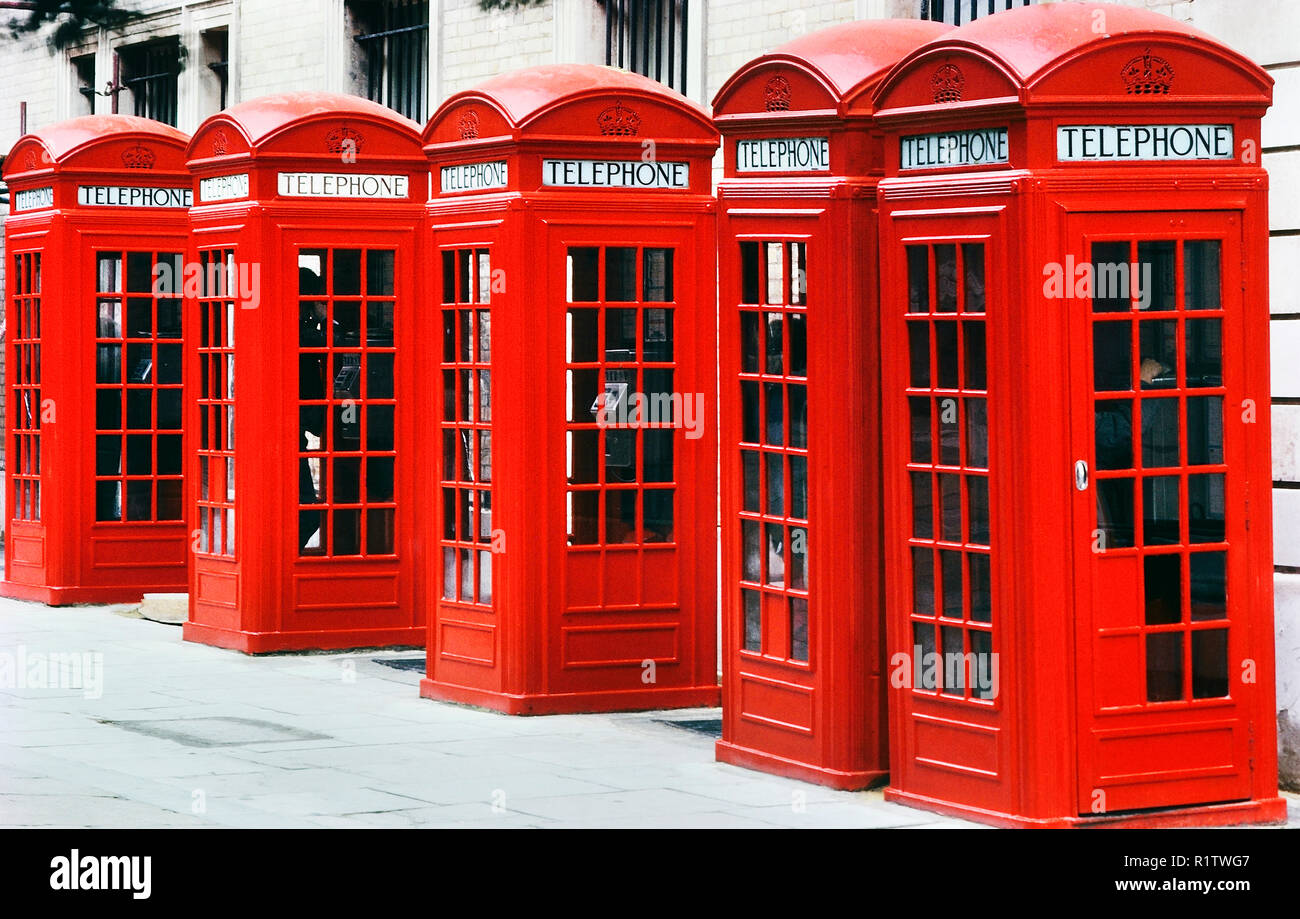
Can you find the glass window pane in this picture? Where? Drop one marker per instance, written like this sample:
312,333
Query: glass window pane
918,337
774,541
583,264
1205,430
945,275
1113,422
950,498
1157,285
798,273
775,347
379,273
981,591
620,335
950,575
1115,513
977,434
918,279
798,396
1163,587
922,581
1206,502
752,603
949,432
582,336
954,660
346,271
620,515
1112,356
977,496
799,487
972,255
657,336
1164,666
749,473
1160,433
774,265
1204,352
775,505
976,366
1201,283
1112,290
620,273
658,507
583,517
1161,511
772,393
945,345
1209,664
924,660
751,552
798,629
1158,353
658,272
749,412
920,412
798,344
749,272
1209,579
748,341
922,505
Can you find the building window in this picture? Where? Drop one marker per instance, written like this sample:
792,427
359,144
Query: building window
83,76
956,12
216,54
393,40
648,37
149,75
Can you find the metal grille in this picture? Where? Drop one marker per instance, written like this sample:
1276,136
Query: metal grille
149,72
397,55
648,37
956,12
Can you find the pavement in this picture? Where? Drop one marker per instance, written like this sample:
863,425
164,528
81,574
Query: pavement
132,727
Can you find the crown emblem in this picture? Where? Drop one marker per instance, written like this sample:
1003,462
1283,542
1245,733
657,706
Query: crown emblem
30,162
619,121
138,157
776,94
468,124
1147,75
947,84
344,140
220,142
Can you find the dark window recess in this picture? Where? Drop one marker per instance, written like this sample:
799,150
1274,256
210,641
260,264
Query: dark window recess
149,71
216,50
957,12
394,43
648,37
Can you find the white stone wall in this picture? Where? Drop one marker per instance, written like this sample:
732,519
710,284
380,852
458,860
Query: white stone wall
476,45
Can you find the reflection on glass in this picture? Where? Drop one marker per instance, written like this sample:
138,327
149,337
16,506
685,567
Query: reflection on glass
775,485
1209,664
1205,430
751,553
950,576
749,476
1158,353
950,500
772,393
775,268
972,256
922,581
1207,507
774,540
798,629
945,350
1115,513
799,487
918,280
1209,585
1164,666
1204,352
954,675
918,337
748,342
926,676
977,494
1160,433
1112,290
658,275
981,591
922,505
1201,284
949,433
1157,279
977,434
753,620
920,412
1161,511
1113,421
775,343
945,274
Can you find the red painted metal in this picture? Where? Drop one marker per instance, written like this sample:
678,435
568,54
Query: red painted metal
303,480
803,631
565,554
1074,473
94,367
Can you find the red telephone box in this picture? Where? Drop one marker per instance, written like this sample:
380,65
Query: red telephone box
1074,330
802,584
572,554
94,378
307,211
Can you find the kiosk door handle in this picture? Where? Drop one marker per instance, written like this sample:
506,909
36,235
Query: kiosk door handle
1081,475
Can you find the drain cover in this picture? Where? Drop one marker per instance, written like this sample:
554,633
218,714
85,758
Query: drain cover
401,663
710,727
218,731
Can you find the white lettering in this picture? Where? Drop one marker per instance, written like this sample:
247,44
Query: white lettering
1103,142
